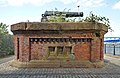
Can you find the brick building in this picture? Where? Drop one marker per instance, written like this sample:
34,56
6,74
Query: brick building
58,44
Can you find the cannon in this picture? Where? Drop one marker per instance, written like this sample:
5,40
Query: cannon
58,13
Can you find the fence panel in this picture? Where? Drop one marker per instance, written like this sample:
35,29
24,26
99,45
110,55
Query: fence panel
112,49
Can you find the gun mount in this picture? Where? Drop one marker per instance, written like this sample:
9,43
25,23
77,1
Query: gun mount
58,13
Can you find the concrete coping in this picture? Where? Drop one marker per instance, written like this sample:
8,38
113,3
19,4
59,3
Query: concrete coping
28,26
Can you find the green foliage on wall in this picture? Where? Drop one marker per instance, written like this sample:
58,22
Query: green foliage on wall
96,19
91,18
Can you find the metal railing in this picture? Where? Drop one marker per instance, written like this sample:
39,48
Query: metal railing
112,49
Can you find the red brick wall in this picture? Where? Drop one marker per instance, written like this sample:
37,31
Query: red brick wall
97,49
82,51
92,51
101,50
23,49
38,51
15,47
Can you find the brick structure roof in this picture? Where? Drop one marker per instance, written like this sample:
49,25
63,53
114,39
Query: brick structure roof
58,26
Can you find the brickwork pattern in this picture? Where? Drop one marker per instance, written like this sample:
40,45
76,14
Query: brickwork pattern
37,50
82,51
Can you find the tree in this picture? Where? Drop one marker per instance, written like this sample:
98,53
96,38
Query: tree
7,44
3,29
6,40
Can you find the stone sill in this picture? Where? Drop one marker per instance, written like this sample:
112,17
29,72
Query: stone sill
57,64
29,26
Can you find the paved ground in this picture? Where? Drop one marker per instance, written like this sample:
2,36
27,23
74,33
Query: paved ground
113,59
111,70
6,59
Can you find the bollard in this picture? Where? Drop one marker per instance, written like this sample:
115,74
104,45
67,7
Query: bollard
113,49
105,48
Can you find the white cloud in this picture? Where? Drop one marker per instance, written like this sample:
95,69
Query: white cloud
33,2
22,2
91,3
2,3
115,26
67,1
15,3
117,5
83,3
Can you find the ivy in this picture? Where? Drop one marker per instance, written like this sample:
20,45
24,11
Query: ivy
91,18
97,19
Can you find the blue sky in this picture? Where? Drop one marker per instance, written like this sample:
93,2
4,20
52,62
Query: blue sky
14,11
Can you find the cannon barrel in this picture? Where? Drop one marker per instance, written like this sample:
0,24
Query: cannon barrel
66,14
58,13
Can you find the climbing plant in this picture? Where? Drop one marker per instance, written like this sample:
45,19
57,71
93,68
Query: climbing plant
60,17
91,18
97,19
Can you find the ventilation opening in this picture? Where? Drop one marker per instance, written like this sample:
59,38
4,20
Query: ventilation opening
69,49
51,50
60,50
